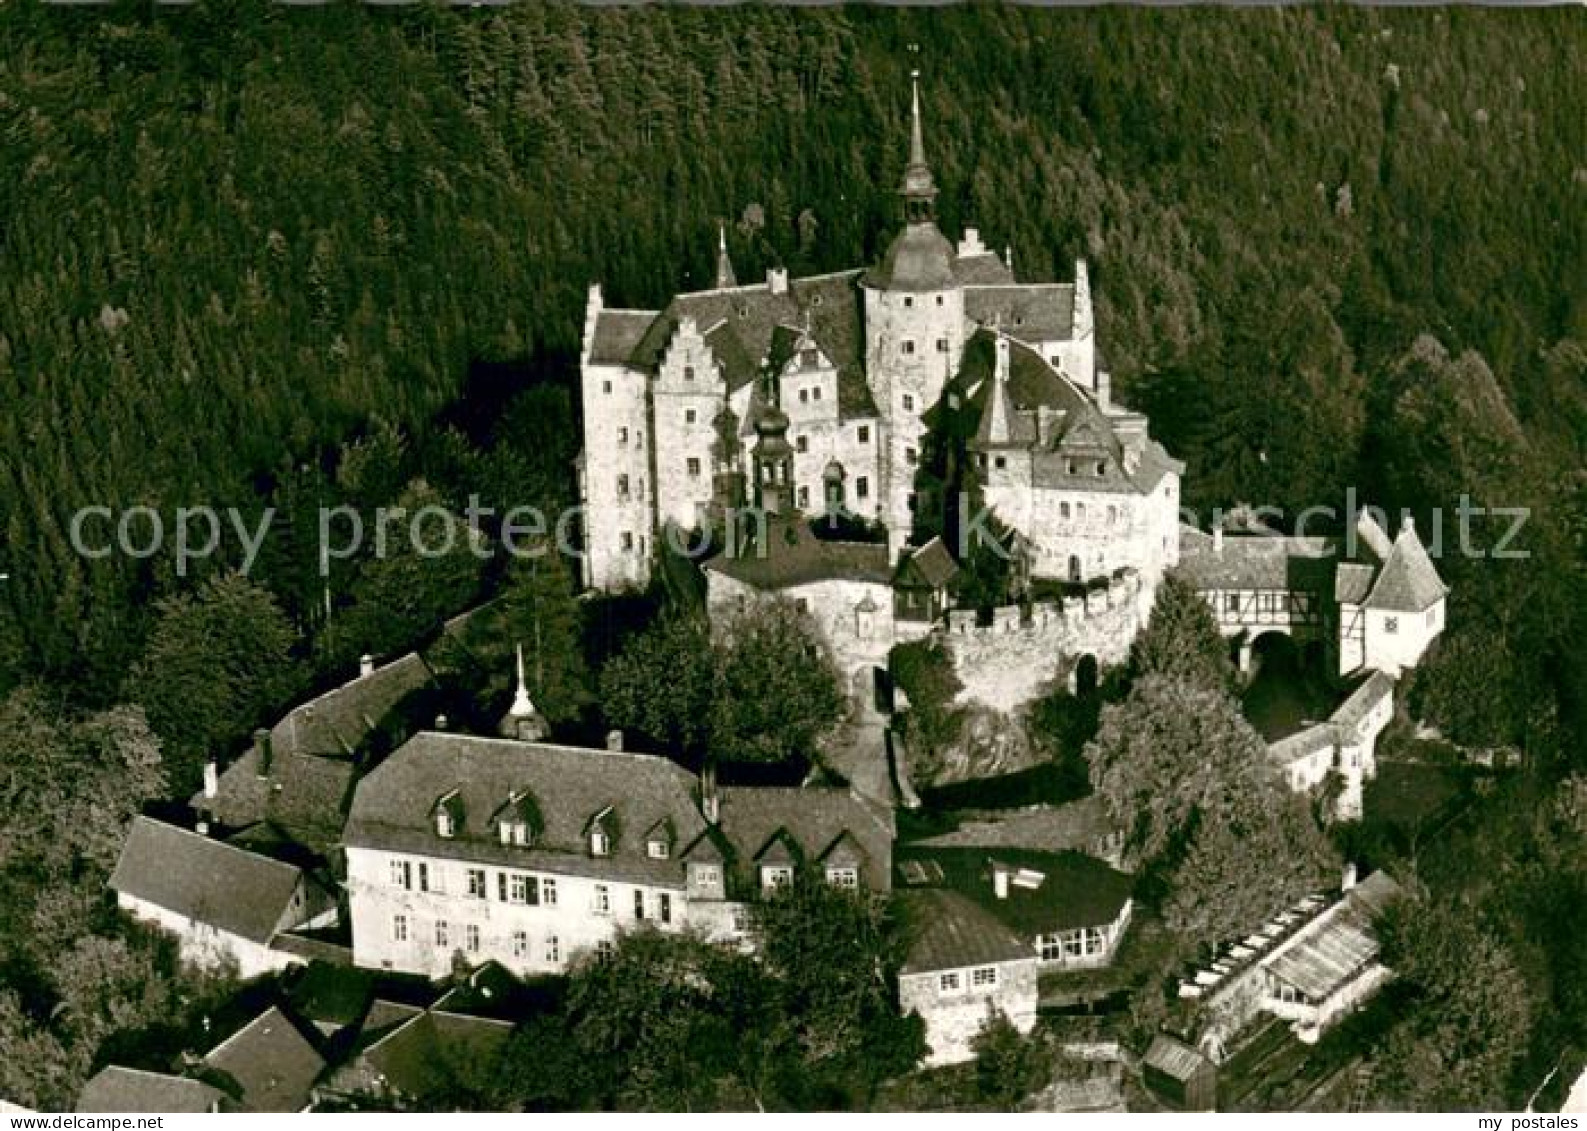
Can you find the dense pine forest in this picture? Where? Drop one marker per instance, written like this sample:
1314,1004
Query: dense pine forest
259,256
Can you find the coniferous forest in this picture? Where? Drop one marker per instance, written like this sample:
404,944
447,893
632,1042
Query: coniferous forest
260,256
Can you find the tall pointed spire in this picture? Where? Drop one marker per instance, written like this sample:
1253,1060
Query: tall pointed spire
920,188
724,265
522,705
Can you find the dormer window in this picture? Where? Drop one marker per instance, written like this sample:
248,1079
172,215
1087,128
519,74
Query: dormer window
1102,468
775,876
600,843
449,815
516,832
657,849
518,821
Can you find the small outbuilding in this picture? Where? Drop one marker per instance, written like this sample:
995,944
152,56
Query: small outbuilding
1179,1075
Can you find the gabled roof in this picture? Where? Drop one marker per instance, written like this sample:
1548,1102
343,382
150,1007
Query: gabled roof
391,806
273,1065
1258,561
617,333
1353,582
419,1058
1074,825
930,567
1174,1058
792,555
739,322
1408,581
1372,691
948,931
339,720
1075,890
117,1089
206,880
1329,951
811,818
1031,312
983,269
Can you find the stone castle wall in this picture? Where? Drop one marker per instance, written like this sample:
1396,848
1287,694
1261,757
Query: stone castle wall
1017,657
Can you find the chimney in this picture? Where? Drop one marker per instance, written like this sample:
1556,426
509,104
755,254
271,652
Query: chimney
366,664
971,244
1104,390
201,827
261,743
614,741
777,280
1217,538
1408,524
1000,881
1348,880
211,778
440,722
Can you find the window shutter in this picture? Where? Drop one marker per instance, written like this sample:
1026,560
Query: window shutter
501,885
533,892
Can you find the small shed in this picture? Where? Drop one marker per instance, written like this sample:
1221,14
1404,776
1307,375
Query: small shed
1179,1075
921,584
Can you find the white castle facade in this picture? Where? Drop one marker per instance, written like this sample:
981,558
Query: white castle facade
801,395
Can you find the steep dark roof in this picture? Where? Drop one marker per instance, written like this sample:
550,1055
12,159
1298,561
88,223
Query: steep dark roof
920,258
419,1058
1353,582
739,323
1073,825
981,270
1258,561
1408,582
273,1065
810,820
332,995
617,333
947,931
339,720
393,805
206,880
117,1089
1075,890
1031,312
792,555
930,567
1174,1058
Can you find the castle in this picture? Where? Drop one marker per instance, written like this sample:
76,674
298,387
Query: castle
808,396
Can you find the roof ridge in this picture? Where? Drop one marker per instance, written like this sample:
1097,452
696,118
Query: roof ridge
146,819
600,752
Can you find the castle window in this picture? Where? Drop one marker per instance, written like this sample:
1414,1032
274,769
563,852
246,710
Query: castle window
639,903
603,900
606,386
1102,468
622,435
625,541
864,434
476,883
622,486
1069,467
401,874
664,907
604,950
689,416
1391,625
443,934
984,977
399,928
815,393
909,402
949,983
909,301
939,300
843,877
1063,510
707,875
658,849
1113,515
1000,463
942,345
688,373
774,876
809,359
471,938
520,944
804,396
862,488
911,456
909,345
804,497
694,468
1231,603
521,889
600,843
548,892
802,444
553,949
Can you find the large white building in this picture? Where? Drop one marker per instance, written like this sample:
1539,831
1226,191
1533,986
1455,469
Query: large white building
531,854
804,395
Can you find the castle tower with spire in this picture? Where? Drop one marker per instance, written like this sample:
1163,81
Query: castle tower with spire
813,394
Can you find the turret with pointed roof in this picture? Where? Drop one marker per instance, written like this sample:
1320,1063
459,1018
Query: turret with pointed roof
523,721
724,265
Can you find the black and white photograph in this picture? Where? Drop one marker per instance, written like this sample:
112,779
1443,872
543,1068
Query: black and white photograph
568,558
